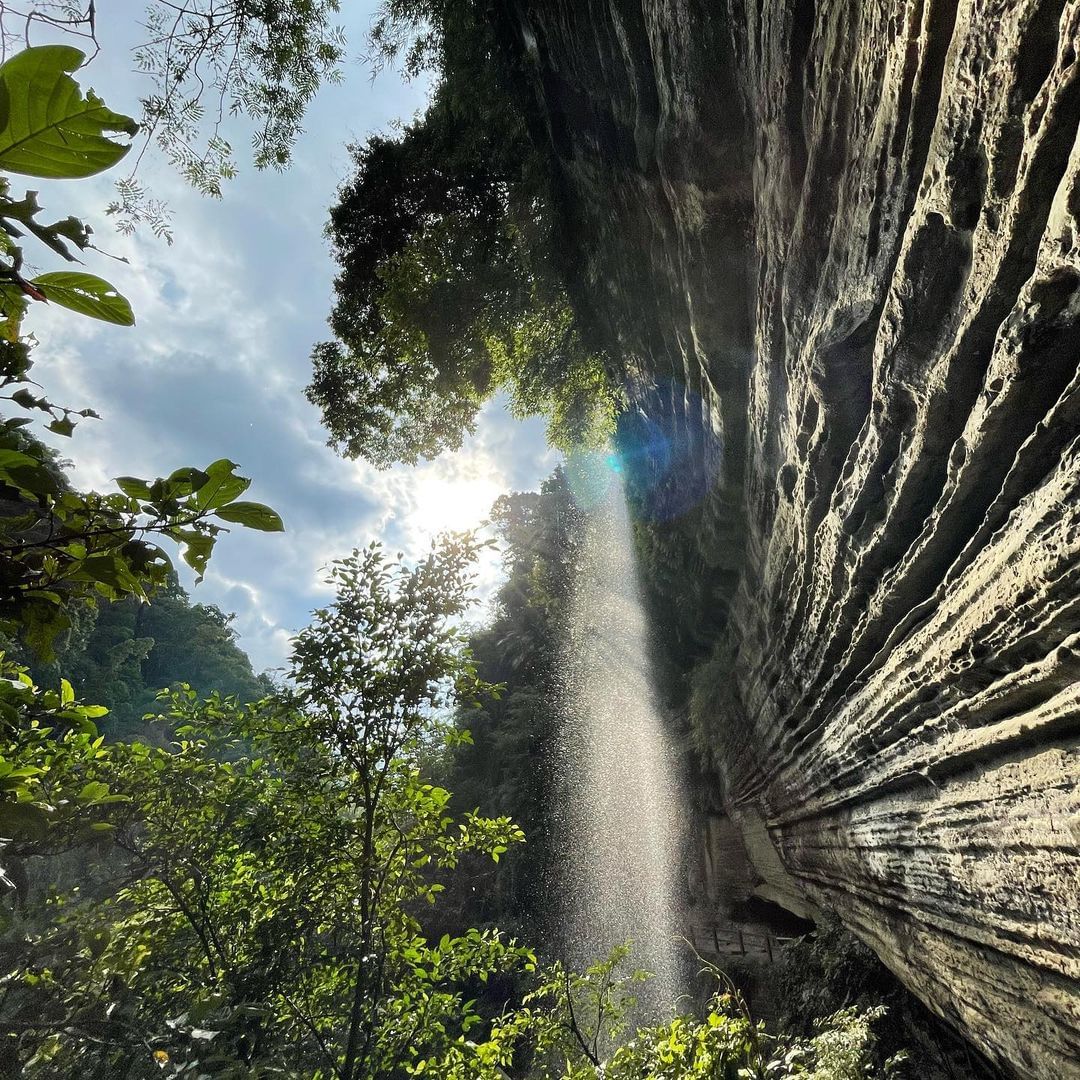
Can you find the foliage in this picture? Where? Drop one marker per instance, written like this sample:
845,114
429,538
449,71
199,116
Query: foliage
831,970
121,654
586,1020
578,1027
264,60
62,551
278,860
48,129
58,546
728,1043
272,873
205,60
447,291
86,294
688,572
51,760
408,32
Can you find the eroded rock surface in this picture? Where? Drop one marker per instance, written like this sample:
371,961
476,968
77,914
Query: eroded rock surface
835,245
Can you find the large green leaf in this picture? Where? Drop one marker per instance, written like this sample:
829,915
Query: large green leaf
86,294
253,515
47,127
197,550
26,473
133,486
14,458
20,821
222,487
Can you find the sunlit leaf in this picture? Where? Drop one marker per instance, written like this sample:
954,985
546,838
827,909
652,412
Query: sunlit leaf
47,127
222,487
252,515
86,294
133,486
197,550
62,426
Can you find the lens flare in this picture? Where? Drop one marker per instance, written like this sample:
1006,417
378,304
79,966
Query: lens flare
672,458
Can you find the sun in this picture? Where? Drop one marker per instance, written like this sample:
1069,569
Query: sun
455,495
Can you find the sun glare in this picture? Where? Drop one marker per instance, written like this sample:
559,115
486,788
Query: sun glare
455,499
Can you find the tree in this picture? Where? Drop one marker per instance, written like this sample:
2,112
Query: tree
62,551
273,868
282,857
124,653
448,290
206,60
264,60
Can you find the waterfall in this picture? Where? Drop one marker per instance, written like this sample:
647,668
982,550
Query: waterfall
619,825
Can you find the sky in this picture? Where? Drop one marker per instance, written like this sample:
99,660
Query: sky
218,360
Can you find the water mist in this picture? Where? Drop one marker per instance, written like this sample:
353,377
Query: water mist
619,824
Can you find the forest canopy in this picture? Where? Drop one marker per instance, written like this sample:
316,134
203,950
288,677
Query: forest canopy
447,290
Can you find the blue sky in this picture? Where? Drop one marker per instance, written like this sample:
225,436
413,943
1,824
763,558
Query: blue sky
218,360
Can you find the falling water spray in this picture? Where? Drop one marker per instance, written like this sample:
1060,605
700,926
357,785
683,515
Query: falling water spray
620,819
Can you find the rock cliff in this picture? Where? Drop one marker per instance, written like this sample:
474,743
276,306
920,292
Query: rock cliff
834,247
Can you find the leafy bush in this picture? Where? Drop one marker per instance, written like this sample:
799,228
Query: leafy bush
578,1027
830,970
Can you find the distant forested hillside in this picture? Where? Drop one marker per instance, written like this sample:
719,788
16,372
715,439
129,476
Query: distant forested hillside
121,654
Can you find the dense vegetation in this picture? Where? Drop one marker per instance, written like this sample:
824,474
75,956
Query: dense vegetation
267,884
275,880
448,289
120,655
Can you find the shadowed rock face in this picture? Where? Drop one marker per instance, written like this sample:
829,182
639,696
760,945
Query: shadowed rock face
835,247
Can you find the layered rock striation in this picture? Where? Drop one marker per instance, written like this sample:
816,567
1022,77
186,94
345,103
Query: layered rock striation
835,246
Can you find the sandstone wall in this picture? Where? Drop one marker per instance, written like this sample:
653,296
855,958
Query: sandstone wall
835,243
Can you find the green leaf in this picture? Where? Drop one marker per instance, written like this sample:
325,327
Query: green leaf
252,515
187,479
42,621
35,478
28,400
93,791
133,486
103,568
197,550
222,487
48,129
19,820
9,458
64,425
86,294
